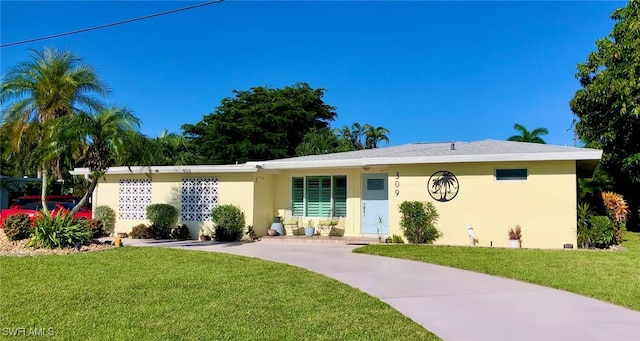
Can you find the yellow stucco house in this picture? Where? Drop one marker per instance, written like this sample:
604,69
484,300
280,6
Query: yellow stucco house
490,185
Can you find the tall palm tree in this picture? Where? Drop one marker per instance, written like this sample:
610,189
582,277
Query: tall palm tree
51,85
106,135
374,135
357,132
528,136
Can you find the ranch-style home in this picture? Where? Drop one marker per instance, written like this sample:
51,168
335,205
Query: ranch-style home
490,185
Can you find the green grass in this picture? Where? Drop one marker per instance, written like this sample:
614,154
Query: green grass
164,294
605,275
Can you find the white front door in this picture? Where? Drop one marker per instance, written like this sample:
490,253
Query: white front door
375,204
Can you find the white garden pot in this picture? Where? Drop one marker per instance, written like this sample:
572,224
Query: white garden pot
514,243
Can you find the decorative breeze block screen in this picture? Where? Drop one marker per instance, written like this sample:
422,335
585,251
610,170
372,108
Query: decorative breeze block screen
199,197
134,197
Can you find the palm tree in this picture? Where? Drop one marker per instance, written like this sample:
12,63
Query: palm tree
53,84
375,135
174,149
528,136
357,132
106,135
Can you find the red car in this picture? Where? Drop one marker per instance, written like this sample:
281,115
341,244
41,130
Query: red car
27,199
33,209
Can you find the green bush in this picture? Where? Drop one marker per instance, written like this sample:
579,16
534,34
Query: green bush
603,231
107,215
162,217
17,226
229,222
97,228
141,231
59,231
418,222
181,232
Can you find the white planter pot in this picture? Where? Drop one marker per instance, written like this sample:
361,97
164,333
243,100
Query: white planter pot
514,243
309,231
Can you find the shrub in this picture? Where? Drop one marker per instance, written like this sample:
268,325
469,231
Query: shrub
162,217
396,239
108,217
603,231
59,231
418,222
17,226
141,231
97,228
181,232
229,222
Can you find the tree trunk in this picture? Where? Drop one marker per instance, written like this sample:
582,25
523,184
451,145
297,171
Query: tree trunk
87,194
44,189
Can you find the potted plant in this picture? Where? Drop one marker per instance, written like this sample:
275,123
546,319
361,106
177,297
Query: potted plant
309,230
515,237
204,234
277,225
276,217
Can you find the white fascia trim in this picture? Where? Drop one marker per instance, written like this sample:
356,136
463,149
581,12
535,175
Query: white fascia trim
385,161
556,156
243,168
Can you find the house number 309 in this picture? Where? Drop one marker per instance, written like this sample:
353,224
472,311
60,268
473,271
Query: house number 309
397,184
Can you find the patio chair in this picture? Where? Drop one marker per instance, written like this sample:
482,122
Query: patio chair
291,223
328,226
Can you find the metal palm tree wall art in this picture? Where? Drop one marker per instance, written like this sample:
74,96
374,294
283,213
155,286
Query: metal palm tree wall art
443,186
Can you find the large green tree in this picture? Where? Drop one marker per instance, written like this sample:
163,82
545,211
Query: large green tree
608,104
259,124
524,135
34,94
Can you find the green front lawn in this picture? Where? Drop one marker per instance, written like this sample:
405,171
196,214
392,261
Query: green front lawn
612,276
161,294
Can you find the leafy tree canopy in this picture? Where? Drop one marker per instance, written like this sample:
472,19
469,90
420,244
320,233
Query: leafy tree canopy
608,104
259,124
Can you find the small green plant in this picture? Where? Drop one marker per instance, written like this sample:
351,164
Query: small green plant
418,222
162,217
229,222
17,226
107,215
396,239
251,233
141,231
59,231
181,232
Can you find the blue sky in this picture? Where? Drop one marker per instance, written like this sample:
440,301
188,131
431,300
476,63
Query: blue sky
427,71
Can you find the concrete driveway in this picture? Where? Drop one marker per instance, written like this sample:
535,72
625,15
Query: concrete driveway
454,304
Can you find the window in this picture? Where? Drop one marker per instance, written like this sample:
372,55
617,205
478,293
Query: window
375,184
511,174
319,196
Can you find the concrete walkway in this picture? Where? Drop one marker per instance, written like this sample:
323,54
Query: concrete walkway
454,304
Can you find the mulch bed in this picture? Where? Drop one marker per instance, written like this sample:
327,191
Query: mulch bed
17,248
